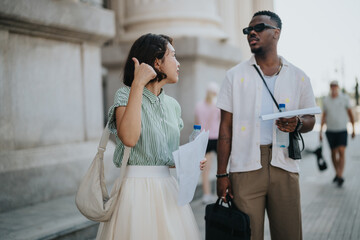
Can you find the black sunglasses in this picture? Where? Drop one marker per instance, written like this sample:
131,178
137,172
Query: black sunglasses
258,28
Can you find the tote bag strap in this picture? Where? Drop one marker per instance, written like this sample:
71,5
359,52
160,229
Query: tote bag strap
104,139
102,147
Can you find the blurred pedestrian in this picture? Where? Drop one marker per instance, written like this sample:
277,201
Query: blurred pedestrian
336,114
208,116
144,118
262,176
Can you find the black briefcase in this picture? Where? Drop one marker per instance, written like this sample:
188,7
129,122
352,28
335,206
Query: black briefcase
226,222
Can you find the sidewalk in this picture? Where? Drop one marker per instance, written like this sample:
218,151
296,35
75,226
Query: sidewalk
328,212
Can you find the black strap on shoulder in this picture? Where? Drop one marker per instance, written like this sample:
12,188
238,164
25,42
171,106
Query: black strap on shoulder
272,96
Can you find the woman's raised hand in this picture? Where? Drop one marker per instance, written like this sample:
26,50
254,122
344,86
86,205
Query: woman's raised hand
143,73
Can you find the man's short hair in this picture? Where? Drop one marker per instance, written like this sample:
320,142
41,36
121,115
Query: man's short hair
273,16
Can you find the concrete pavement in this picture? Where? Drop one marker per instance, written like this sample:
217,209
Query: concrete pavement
328,212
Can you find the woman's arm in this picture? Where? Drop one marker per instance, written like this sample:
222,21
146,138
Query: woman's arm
128,119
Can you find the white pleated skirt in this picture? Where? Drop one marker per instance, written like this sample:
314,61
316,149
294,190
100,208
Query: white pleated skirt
147,209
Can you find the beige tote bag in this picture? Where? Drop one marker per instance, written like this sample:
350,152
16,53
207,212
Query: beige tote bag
92,198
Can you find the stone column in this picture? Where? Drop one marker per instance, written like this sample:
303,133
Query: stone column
96,3
259,5
236,15
202,61
176,18
51,113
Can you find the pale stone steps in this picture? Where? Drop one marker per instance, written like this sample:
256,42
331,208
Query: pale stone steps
55,219
60,219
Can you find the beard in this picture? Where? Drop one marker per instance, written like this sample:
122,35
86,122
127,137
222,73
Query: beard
257,50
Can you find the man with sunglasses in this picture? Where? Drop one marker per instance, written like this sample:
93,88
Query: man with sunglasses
262,176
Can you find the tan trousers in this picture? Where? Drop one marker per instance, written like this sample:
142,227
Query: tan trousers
273,189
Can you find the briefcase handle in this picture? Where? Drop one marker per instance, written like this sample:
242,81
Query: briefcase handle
229,202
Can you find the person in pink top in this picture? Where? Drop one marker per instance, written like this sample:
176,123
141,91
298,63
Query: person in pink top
208,116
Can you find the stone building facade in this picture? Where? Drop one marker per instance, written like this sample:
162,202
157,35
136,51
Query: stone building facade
51,103
61,63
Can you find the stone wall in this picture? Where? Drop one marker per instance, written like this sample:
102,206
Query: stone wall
51,112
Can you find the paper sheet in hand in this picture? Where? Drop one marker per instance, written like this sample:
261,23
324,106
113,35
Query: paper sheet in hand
187,161
292,113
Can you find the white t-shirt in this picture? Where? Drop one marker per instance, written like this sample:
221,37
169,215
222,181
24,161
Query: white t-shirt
241,94
267,103
336,112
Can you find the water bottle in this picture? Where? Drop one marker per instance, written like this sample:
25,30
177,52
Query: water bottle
195,132
282,138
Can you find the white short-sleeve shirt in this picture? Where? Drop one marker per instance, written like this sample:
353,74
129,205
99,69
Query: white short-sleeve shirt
241,95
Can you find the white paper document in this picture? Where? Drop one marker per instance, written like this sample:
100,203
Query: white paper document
292,113
187,162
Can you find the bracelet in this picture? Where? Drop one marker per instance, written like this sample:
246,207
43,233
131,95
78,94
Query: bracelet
299,124
222,175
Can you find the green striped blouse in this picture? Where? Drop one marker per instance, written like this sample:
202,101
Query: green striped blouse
160,129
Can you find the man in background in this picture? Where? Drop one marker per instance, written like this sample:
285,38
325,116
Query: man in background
336,114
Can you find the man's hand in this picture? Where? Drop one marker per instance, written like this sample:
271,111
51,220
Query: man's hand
223,186
287,124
